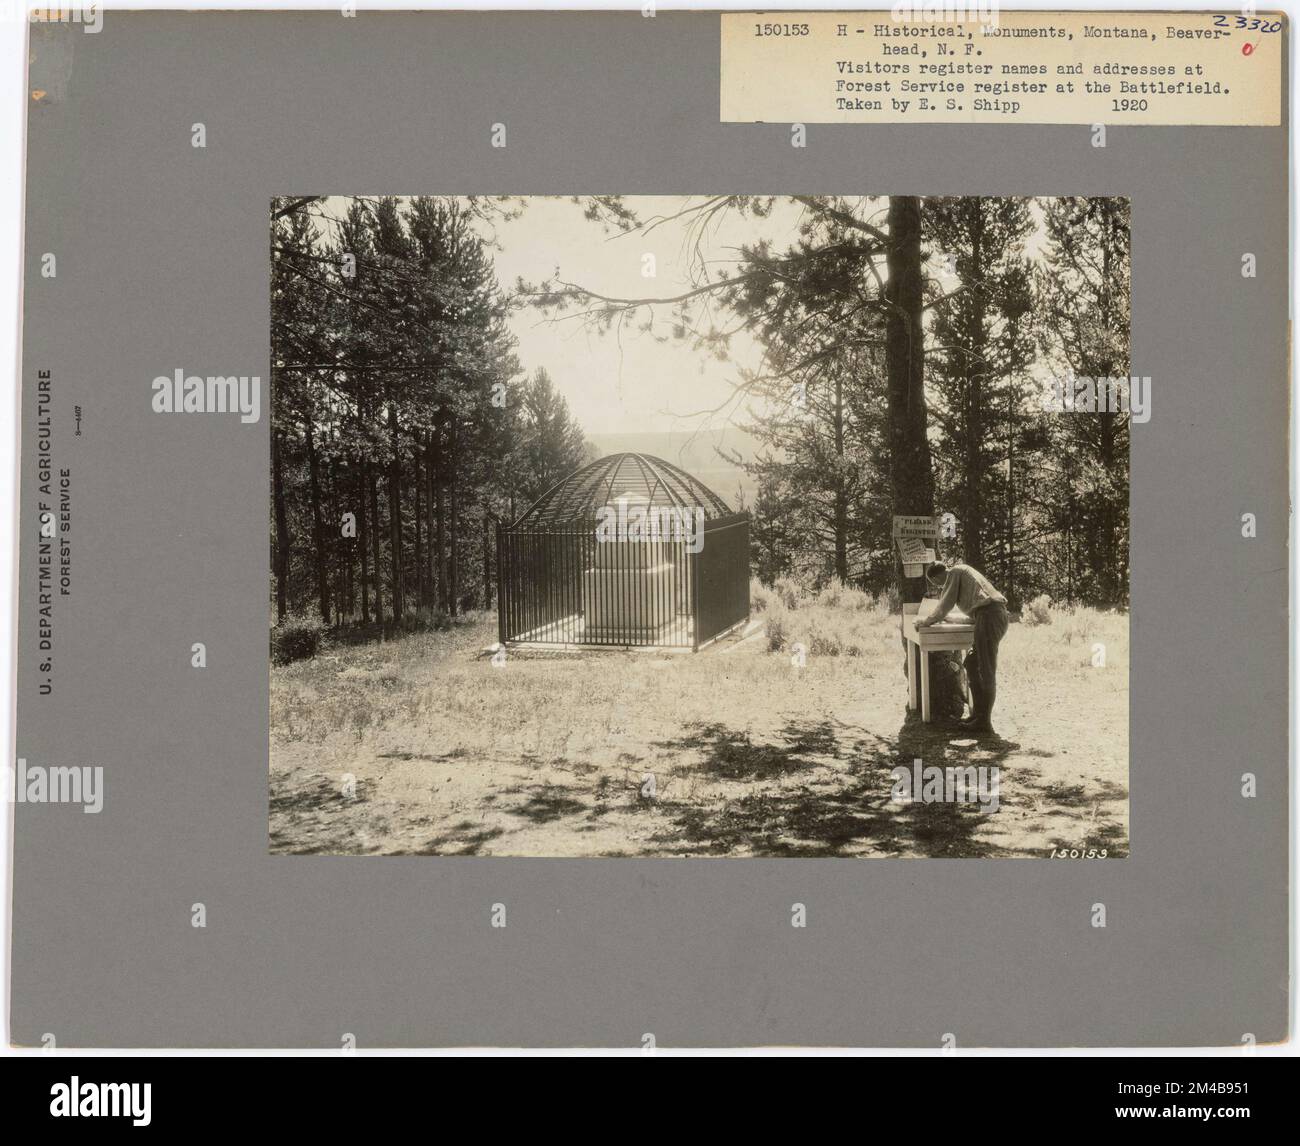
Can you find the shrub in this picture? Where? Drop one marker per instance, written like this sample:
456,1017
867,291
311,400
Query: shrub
296,638
787,592
426,619
859,600
1038,611
832,596
759,595
778,627
823,640
838,595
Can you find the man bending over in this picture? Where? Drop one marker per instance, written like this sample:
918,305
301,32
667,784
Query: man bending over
973,593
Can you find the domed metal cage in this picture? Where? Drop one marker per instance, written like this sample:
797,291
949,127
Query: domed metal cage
627,551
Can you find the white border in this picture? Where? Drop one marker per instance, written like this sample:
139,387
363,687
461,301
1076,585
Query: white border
13,77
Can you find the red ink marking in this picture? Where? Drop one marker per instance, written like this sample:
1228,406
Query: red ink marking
1246,49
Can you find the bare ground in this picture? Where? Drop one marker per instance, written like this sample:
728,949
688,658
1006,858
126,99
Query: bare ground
423,746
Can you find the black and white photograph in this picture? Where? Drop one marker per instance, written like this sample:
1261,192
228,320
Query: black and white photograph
705,526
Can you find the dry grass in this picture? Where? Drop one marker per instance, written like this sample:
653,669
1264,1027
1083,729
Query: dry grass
422,745
835,621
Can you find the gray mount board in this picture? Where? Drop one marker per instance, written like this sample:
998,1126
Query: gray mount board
162,264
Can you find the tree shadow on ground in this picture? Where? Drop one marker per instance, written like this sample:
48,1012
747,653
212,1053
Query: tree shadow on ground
846,810
1021,770
732,754
454,754
811,787
319,818
949,829
463,839
548,805
826,788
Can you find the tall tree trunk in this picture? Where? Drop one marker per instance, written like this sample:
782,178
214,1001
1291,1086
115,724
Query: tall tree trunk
841,494
911,476
373,493
318,526
281,531
972,525
455,524
346,552
339,574
910,468
332,516
1108,581
441,538
395,514
363,536
431,559
1069,558
1010,588
421,591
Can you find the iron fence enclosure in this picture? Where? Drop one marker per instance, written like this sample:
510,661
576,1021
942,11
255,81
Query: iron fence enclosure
627,552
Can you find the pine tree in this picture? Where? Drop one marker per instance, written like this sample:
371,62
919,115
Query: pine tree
978,354
1084,331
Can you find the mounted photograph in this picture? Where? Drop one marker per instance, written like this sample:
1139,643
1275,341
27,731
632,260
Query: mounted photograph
706,526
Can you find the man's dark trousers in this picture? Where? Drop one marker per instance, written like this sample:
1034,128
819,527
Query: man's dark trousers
982,664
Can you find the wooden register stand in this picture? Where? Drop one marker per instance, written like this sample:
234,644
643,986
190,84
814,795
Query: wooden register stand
917,539
955,633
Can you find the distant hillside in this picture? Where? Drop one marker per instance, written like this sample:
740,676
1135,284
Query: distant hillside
693,451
